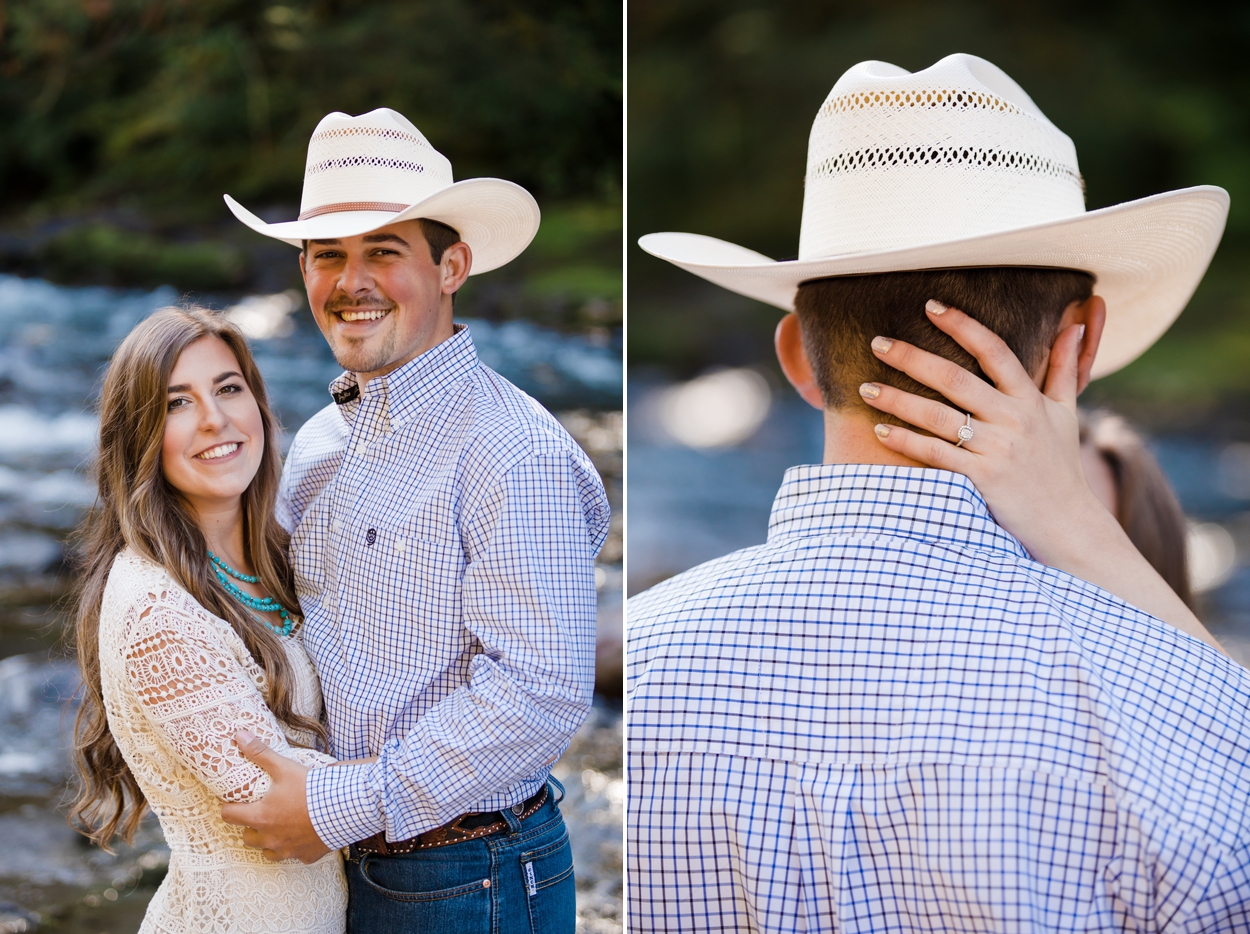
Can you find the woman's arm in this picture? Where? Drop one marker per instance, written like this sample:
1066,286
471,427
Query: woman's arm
196,698
1024,458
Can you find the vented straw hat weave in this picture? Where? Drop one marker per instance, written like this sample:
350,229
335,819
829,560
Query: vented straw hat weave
956,166
376,169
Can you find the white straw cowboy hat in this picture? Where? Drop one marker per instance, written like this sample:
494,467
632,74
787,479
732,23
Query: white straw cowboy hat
366,172
956,166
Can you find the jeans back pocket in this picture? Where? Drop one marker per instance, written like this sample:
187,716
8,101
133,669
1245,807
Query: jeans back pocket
547,874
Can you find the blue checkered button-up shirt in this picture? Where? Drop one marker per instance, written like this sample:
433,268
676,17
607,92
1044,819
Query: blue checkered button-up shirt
889,718
444,534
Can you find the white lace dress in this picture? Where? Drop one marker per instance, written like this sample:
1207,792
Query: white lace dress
178,683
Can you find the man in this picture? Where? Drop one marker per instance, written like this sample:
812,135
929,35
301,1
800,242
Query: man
888,717
444,528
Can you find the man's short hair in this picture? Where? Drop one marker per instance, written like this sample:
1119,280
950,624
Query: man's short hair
439,237
839,317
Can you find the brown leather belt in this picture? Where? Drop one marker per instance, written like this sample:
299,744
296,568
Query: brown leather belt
465,827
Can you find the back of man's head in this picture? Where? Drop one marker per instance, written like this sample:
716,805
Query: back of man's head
840,317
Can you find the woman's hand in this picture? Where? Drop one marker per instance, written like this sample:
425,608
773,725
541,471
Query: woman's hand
1023,456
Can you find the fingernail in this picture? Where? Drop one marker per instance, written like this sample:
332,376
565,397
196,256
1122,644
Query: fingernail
934,307
882,431
244,736
882,344
1080,335
869,390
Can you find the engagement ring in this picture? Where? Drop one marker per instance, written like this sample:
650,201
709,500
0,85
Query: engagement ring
965,431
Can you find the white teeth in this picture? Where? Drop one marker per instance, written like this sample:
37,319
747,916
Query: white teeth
220,451
365,314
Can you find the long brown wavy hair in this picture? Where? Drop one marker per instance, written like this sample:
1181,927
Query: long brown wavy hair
137,507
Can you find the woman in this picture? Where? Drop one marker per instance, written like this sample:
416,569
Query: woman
1025,458
187,630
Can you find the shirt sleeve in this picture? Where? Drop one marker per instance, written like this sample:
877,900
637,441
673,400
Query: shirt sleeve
284,507
528,596
196,696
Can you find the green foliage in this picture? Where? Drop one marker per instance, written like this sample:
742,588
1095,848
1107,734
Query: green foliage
163,105
576,256
569,277
124,122
567,230
579,282
103,255
1155,94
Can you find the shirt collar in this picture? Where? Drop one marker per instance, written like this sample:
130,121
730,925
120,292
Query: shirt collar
407,390
899,502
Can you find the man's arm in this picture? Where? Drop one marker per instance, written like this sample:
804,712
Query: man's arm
528,598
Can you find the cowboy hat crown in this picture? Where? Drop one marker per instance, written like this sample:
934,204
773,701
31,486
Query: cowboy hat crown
368,171
956,166
881,132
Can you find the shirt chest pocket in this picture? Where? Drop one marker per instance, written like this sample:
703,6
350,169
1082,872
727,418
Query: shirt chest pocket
398,578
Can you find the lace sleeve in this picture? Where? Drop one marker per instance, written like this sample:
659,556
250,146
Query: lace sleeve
196,696
309,757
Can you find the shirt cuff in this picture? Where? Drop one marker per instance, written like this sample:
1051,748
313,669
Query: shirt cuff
343,805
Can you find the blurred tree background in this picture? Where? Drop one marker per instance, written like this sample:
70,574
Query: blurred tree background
124,122
722,93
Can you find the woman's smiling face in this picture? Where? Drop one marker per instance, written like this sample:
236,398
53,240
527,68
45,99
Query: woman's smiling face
214,434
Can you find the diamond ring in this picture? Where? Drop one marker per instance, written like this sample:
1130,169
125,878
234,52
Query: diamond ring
965,431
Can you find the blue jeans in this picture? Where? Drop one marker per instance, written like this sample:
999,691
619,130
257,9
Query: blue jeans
516,881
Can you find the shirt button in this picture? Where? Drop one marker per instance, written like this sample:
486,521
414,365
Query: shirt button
371,536
336,526
399,547
361,449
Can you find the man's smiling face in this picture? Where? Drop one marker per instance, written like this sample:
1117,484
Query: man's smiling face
379,298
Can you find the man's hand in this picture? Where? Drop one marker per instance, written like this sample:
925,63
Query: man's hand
278,824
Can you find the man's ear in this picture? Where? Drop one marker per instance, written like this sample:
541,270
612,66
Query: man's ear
792,356
1093,314
455,265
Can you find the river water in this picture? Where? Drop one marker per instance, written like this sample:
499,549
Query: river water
54,344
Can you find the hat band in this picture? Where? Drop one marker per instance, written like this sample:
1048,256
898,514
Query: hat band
391,207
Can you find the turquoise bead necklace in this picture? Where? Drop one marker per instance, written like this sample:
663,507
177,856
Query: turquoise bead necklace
255,604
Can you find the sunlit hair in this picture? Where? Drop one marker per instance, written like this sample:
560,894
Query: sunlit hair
1145,503
137,507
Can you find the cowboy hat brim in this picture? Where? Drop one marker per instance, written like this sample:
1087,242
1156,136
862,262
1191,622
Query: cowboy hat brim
1148,256
496,218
